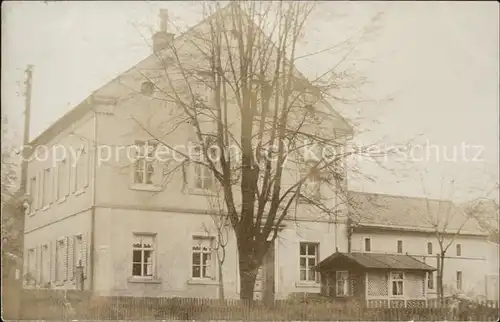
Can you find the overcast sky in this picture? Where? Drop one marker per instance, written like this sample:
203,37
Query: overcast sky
437,62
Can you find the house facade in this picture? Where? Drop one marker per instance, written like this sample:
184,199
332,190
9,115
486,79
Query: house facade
135,228
392,224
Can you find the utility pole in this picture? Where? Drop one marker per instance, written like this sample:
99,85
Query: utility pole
26,135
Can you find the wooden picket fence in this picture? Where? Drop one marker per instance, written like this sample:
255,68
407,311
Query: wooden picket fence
52,305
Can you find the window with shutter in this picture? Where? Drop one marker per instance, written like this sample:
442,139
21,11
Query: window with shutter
71,256
61,255
78,252
66,261
81,169
47,186
62,179
34,192
45,264
84,255
31,267
52,261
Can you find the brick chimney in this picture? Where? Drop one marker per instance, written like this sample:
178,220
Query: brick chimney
162,38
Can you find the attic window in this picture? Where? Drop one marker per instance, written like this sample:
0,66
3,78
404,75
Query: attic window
147,88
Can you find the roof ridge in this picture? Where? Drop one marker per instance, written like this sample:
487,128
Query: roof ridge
399,196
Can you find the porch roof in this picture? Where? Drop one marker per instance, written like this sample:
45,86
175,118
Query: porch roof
375,261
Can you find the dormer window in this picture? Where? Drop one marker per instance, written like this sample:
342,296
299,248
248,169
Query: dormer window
147,88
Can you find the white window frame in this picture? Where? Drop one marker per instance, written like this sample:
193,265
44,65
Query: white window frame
308,268
34,194
47,188
82,170
429,248
77,253
210,265
342,279
61,248
148,169
200,173
458,249
397,278
63,183
143,249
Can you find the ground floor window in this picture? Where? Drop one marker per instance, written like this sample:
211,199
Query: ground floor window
45,264
342,282
397,283
430,281
142,255
202,265
61,253
308,259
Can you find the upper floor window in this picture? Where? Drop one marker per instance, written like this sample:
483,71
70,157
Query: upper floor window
142,255
459,250
202,90
204,178
397,283
34,192
202,259
311,187
144,164
368,245
342,283
308,259
47,187
429,248
400,246
63,179
81,169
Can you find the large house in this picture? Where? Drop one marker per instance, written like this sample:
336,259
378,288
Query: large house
117,227
106,224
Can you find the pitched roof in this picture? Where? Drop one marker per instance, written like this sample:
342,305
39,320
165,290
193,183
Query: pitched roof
376,261
86,105
412,213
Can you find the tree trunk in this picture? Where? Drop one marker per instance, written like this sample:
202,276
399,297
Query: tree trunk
247,283
440,271
221,283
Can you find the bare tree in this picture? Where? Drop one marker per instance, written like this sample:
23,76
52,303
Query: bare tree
447,221
11,203
222,229
486,212
268,136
